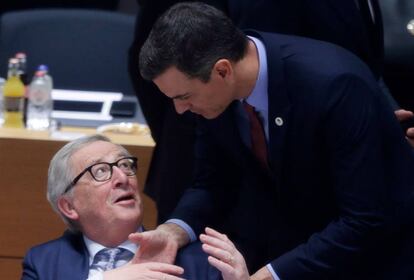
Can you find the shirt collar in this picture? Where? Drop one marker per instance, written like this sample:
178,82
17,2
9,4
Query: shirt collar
94,247
258,97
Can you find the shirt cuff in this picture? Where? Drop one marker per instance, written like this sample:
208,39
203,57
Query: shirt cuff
96,276
185,227
273,272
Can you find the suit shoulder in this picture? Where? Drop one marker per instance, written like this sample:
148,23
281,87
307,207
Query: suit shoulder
51,246
307,54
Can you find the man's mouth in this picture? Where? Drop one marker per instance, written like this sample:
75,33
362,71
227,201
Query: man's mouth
125,198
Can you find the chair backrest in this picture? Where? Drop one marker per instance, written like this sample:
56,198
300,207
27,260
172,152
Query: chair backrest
84,49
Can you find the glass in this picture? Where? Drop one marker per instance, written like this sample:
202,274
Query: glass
102,171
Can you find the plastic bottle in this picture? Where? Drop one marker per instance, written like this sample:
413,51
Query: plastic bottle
13,93
48,78
40,103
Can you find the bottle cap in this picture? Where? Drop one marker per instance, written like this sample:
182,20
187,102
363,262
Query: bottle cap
43,67
20,55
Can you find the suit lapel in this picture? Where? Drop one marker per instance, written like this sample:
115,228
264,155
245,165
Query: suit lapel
278,102
74,259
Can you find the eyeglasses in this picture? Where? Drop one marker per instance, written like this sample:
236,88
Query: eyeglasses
102,171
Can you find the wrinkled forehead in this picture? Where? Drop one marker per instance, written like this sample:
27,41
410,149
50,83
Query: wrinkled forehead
99,151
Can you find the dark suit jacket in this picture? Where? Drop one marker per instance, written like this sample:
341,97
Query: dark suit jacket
67,258
332,205
338,22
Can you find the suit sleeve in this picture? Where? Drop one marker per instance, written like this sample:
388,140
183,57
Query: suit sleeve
213,187
366,152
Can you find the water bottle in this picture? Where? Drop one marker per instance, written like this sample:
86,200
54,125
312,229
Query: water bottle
40,103
48,78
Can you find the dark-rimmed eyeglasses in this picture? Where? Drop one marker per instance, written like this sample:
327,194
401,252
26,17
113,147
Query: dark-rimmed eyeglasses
102,171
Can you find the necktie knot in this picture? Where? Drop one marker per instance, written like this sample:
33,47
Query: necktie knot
110,258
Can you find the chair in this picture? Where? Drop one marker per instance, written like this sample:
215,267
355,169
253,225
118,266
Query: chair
84,49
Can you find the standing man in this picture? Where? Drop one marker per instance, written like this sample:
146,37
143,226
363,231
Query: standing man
326,180
346,23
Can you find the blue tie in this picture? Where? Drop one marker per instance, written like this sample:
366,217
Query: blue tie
110,258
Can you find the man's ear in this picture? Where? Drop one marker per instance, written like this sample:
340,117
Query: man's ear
65,206
223,68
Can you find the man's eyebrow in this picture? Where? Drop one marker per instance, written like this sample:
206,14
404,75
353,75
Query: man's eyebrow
180,96
100,159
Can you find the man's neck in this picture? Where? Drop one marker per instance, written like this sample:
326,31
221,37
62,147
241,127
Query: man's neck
247,71
112,237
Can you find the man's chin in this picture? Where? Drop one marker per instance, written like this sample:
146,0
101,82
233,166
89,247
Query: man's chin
210,116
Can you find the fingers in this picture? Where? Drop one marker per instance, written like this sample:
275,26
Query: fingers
221,254
224,256
165,268
137,237
403,114
216,234
218,246
220,265
154,246
410,132
216,239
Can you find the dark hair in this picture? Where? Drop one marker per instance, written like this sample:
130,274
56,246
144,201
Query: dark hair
191,36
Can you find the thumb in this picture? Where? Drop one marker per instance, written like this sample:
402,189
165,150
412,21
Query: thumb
137,237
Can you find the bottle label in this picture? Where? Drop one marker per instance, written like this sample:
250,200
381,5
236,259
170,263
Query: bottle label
13,104
38,97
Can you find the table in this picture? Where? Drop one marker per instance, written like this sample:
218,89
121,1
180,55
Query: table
26,217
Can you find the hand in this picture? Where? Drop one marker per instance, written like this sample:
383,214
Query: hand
404,115
159,245
145,271
262,274
224,256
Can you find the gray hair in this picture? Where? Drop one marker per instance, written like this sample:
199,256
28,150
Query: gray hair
61,173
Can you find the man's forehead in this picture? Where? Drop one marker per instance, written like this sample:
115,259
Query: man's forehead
99,151
172,82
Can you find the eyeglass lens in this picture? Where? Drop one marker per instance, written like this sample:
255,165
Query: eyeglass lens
103,171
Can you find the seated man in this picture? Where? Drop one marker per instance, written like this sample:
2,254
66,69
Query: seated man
92,185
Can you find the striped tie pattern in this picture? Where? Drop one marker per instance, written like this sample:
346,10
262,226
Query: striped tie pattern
110,258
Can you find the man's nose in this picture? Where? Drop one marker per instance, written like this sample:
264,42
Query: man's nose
118,175
181,106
